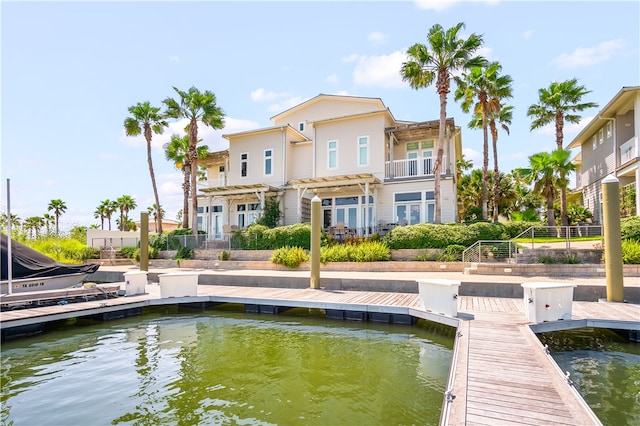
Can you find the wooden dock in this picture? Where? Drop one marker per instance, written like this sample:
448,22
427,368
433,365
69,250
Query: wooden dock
500,373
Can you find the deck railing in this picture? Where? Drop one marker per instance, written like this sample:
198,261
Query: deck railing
410,167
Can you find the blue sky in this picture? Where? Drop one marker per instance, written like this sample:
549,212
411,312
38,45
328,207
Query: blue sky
70,70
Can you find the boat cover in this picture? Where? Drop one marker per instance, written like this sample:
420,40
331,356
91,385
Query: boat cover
28,263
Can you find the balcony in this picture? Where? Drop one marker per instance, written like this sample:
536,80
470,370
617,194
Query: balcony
410,168
629,150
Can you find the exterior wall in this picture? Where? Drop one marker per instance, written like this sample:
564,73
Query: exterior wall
117,239
300,161
600,161
326,108
591,195
255,146
346,133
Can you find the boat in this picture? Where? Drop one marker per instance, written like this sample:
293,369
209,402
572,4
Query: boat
33,271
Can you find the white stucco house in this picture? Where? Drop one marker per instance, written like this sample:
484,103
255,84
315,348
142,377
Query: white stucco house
370,170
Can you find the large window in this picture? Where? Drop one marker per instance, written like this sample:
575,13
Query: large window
244,164
332,154
414,207
268,160
363,151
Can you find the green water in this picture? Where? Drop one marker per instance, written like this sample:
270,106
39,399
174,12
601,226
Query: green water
605,369
217,367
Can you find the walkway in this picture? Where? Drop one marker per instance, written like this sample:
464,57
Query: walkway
500,374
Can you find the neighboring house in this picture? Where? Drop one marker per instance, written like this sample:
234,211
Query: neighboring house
371,171
167,224
609,146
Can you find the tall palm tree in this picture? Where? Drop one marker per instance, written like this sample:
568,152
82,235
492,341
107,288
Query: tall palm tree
4,222
177,151
560,103
58,206
195,106
444,54
100,213
48,221
125,204
108,208
156,213
541,173
503,116
34,224
481,89
561,160
146,119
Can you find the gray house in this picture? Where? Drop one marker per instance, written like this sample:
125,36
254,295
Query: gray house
609,146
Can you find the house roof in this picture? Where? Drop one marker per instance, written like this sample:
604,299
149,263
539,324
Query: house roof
417,130
376,101
351,116
619,104
288,128
214,157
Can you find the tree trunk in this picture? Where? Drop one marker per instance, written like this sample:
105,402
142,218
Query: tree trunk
147,134
496,172
193,157
551,217
437,215
485,166
186,172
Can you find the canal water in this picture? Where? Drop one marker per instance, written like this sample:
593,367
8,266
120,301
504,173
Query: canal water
605,368
227,367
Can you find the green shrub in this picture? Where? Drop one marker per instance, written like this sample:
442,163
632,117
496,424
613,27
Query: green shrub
291,257
224,255
129,252
630,252
151,251
184,253
260,237
334,253
452,253
547,259
369,251
512,228
630,228
571,259
427,256
64,250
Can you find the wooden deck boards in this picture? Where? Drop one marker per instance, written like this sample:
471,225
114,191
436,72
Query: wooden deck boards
502,374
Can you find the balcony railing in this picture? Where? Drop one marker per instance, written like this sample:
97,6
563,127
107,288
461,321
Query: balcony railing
410,167
629,150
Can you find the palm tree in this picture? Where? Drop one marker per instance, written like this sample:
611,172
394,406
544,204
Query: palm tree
541,173
156,213
58,207
48,221
33,223
195,106
503,115
100,213
177,151
559,103
444,54
561,160
482,88
146,119
125,204
4,222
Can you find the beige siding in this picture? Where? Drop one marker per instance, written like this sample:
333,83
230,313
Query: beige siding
300,161
254,146
347,133
598,162
325,108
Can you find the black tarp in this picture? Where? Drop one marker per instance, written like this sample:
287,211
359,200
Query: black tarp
28,263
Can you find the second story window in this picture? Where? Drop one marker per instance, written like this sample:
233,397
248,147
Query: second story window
244,164
609,133
332,154
301,126
268,159
601,136
594,142
363,150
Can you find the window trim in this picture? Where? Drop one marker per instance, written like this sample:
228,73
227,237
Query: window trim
609,129
301,126
367,150
246,161
268,159
594,141
601,136
329,151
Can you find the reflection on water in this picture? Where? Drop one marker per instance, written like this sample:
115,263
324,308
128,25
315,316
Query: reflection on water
605,369
218,367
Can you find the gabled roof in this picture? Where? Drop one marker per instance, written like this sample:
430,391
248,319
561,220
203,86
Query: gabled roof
288,128
377,102
617,105
351,116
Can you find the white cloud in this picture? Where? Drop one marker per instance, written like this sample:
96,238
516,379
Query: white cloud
173,58
472,155
568,128
332,78
351,58
583,56
285,105
528,34
378,37
380,71
260,95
